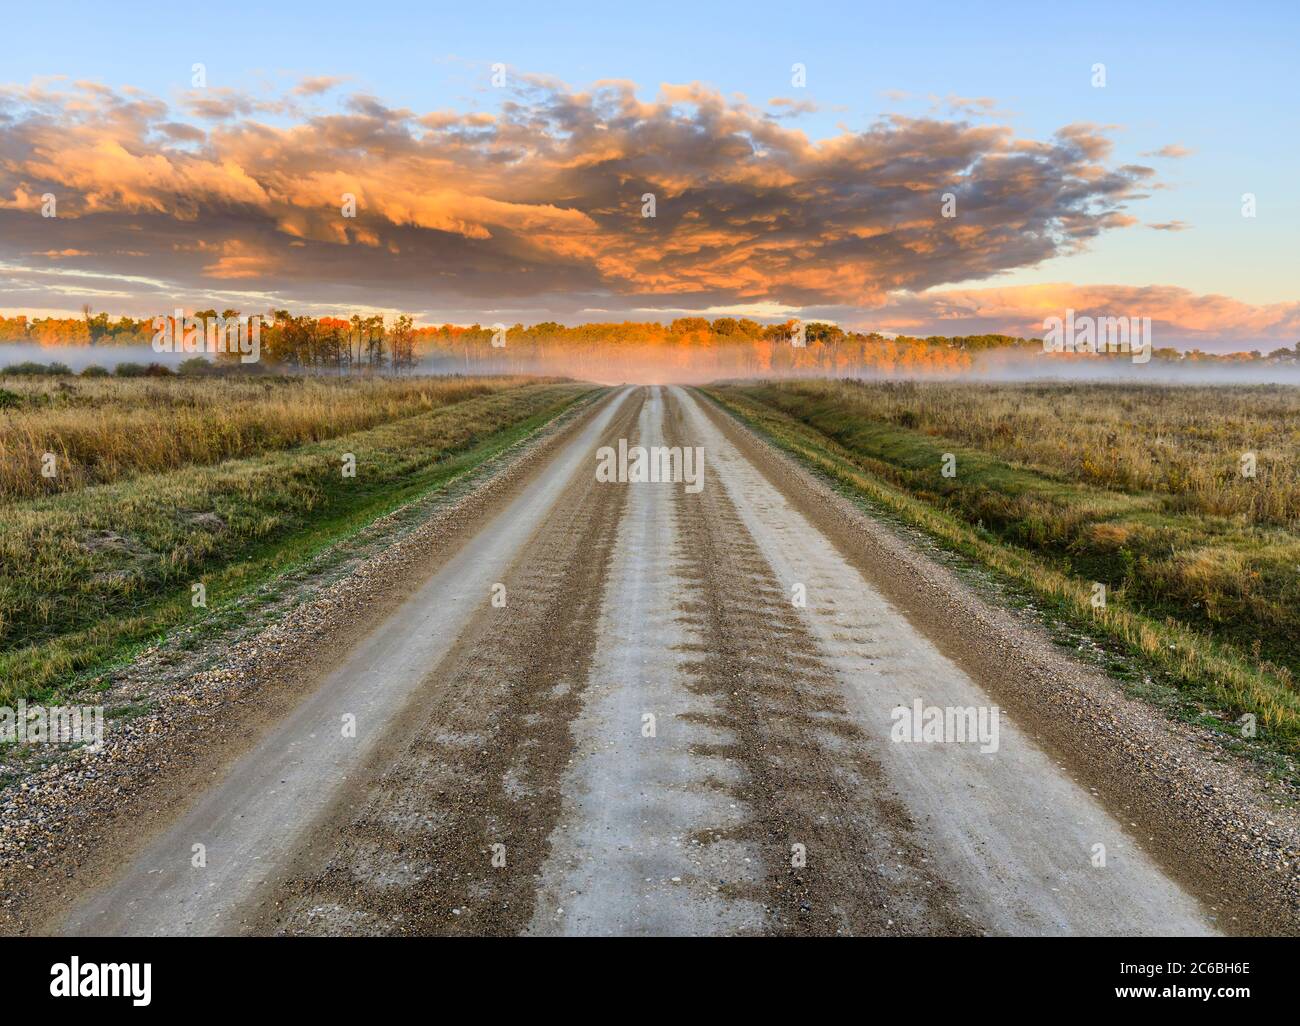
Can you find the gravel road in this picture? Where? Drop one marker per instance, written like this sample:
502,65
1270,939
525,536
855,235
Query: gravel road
645,708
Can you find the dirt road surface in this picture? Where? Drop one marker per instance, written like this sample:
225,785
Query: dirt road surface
641,708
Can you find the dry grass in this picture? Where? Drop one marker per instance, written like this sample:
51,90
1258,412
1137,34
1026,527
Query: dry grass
1179,441
87,573
106,430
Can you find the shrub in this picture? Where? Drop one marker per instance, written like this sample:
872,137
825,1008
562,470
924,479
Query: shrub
24,368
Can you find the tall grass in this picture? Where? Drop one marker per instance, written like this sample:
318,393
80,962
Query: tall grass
1182,441
105,430
85,574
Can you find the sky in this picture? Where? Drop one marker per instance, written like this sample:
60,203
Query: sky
1097,156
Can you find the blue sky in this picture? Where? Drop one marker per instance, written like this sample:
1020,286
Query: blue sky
1219,80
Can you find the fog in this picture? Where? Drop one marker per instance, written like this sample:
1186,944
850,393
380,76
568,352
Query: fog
690,365
702,364
78,358
1004,365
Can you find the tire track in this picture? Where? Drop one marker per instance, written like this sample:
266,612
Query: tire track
1026,848
808,778
413,850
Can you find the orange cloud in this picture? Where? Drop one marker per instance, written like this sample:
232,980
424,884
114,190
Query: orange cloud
240,261
544,196
1178,316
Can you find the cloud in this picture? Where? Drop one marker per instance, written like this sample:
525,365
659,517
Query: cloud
1171,152
1179,317
1169,226
971,106
239,260
789,108
315,85
539,202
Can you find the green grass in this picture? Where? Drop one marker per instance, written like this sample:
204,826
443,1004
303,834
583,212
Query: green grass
1050,538
89,577
1228,576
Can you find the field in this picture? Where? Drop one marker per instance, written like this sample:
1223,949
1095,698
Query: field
1148,491
103,430
163,484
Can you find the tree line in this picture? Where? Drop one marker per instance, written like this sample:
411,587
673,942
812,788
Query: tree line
726,345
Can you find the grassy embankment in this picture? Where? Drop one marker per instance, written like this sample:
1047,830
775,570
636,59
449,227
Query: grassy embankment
1139,488
164,484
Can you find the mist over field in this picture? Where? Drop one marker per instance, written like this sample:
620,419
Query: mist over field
653,365
1004,366
78,358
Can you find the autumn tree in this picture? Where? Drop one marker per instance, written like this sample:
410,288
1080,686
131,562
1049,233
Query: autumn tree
401,343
